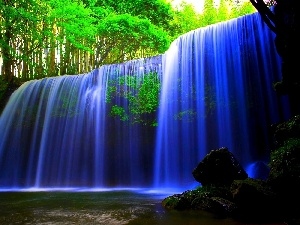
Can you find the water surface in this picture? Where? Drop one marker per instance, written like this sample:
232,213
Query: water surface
97,207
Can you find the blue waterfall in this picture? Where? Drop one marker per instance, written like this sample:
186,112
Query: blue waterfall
58,132
216,92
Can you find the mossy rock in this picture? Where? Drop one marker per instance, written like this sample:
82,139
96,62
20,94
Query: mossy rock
212,199
287,130
285,166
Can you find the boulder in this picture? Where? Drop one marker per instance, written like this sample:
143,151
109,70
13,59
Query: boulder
255,200
219,167
216,200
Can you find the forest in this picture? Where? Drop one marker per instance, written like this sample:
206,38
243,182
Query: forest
46,38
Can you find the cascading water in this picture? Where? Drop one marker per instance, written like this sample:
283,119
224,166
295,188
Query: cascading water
58,132
216,91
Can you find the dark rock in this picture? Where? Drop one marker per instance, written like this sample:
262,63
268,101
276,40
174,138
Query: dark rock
284,177
219,167
285,158
286,130
216,200
177,202
219,206
255,199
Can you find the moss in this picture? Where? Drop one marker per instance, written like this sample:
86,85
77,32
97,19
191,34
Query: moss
171,202
285,160
287,130
199,198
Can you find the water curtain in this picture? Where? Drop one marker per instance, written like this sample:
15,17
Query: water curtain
217,92
60,132
83,130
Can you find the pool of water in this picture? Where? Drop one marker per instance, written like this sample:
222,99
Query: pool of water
117,207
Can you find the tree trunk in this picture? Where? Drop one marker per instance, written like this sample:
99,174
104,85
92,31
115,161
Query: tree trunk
6,54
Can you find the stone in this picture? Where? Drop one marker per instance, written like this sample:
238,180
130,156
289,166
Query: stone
255,200
219,167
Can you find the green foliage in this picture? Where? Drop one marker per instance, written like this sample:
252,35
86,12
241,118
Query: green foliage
126,35
53,37
246,8
159,12
184,20
118,111
210,13
22,31
285,160
148,94
141,95
187,115
223,11
197,198
212,190
75,20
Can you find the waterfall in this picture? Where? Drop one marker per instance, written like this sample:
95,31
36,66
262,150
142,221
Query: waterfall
216,91
58,132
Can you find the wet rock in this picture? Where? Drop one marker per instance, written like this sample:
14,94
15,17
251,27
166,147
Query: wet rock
254,199
219,167
284,177
216,200
286,130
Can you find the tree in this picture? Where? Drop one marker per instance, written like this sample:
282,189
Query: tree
185,19
223,11
159,12
33,30
22,32
210,14
76,29
246,8
130,29
125,37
